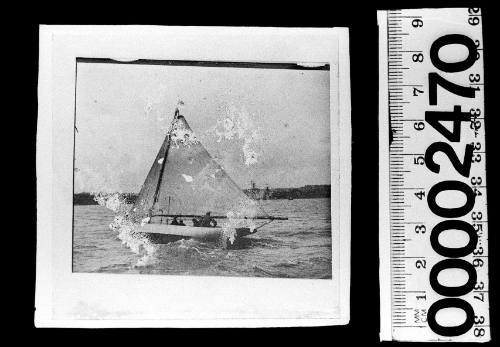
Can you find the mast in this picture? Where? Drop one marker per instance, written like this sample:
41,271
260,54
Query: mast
164,163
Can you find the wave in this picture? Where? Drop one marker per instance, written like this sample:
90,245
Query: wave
319,259
114,267
137,243
85,247
262,271
290,264
309,231
269,273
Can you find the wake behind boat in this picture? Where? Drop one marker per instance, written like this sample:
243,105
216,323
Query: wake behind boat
186,185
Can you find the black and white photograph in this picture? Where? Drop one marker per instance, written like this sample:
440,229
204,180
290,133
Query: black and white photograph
200,168
328,176
209,165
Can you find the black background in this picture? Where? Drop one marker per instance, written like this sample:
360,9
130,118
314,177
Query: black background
361,19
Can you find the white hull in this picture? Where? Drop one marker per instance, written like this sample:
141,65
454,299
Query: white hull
164,233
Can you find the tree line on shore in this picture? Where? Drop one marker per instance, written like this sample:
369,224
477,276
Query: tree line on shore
305,192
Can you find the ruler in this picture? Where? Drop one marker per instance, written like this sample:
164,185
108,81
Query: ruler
433,208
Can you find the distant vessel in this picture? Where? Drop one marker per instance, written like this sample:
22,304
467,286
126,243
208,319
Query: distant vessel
185,183
258,194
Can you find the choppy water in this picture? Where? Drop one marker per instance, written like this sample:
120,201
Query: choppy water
296,248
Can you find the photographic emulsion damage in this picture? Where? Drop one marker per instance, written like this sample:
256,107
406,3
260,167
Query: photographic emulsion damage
213,171
232,179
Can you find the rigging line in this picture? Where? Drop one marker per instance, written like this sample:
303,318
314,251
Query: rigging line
265,223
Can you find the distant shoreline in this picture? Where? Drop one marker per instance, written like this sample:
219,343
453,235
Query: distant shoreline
305,192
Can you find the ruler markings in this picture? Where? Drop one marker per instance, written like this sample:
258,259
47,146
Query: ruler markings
410,295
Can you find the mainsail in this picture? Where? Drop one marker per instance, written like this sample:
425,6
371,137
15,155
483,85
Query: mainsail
185,180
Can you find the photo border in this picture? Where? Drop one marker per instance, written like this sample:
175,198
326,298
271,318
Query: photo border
194,63
56,292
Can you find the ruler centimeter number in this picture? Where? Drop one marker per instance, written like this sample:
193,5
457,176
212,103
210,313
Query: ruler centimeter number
433,208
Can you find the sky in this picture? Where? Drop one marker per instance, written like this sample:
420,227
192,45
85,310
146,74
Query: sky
271,126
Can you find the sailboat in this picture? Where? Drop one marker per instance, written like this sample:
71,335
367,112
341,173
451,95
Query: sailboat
186,183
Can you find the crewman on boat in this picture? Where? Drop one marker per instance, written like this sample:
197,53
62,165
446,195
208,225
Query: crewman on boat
174,221
181,222
208,221
196,222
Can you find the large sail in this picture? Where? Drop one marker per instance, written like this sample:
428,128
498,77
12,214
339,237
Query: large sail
185,180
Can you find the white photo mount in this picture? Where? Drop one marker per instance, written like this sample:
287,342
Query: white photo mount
68,299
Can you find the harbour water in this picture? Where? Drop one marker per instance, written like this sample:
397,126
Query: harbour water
299,247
